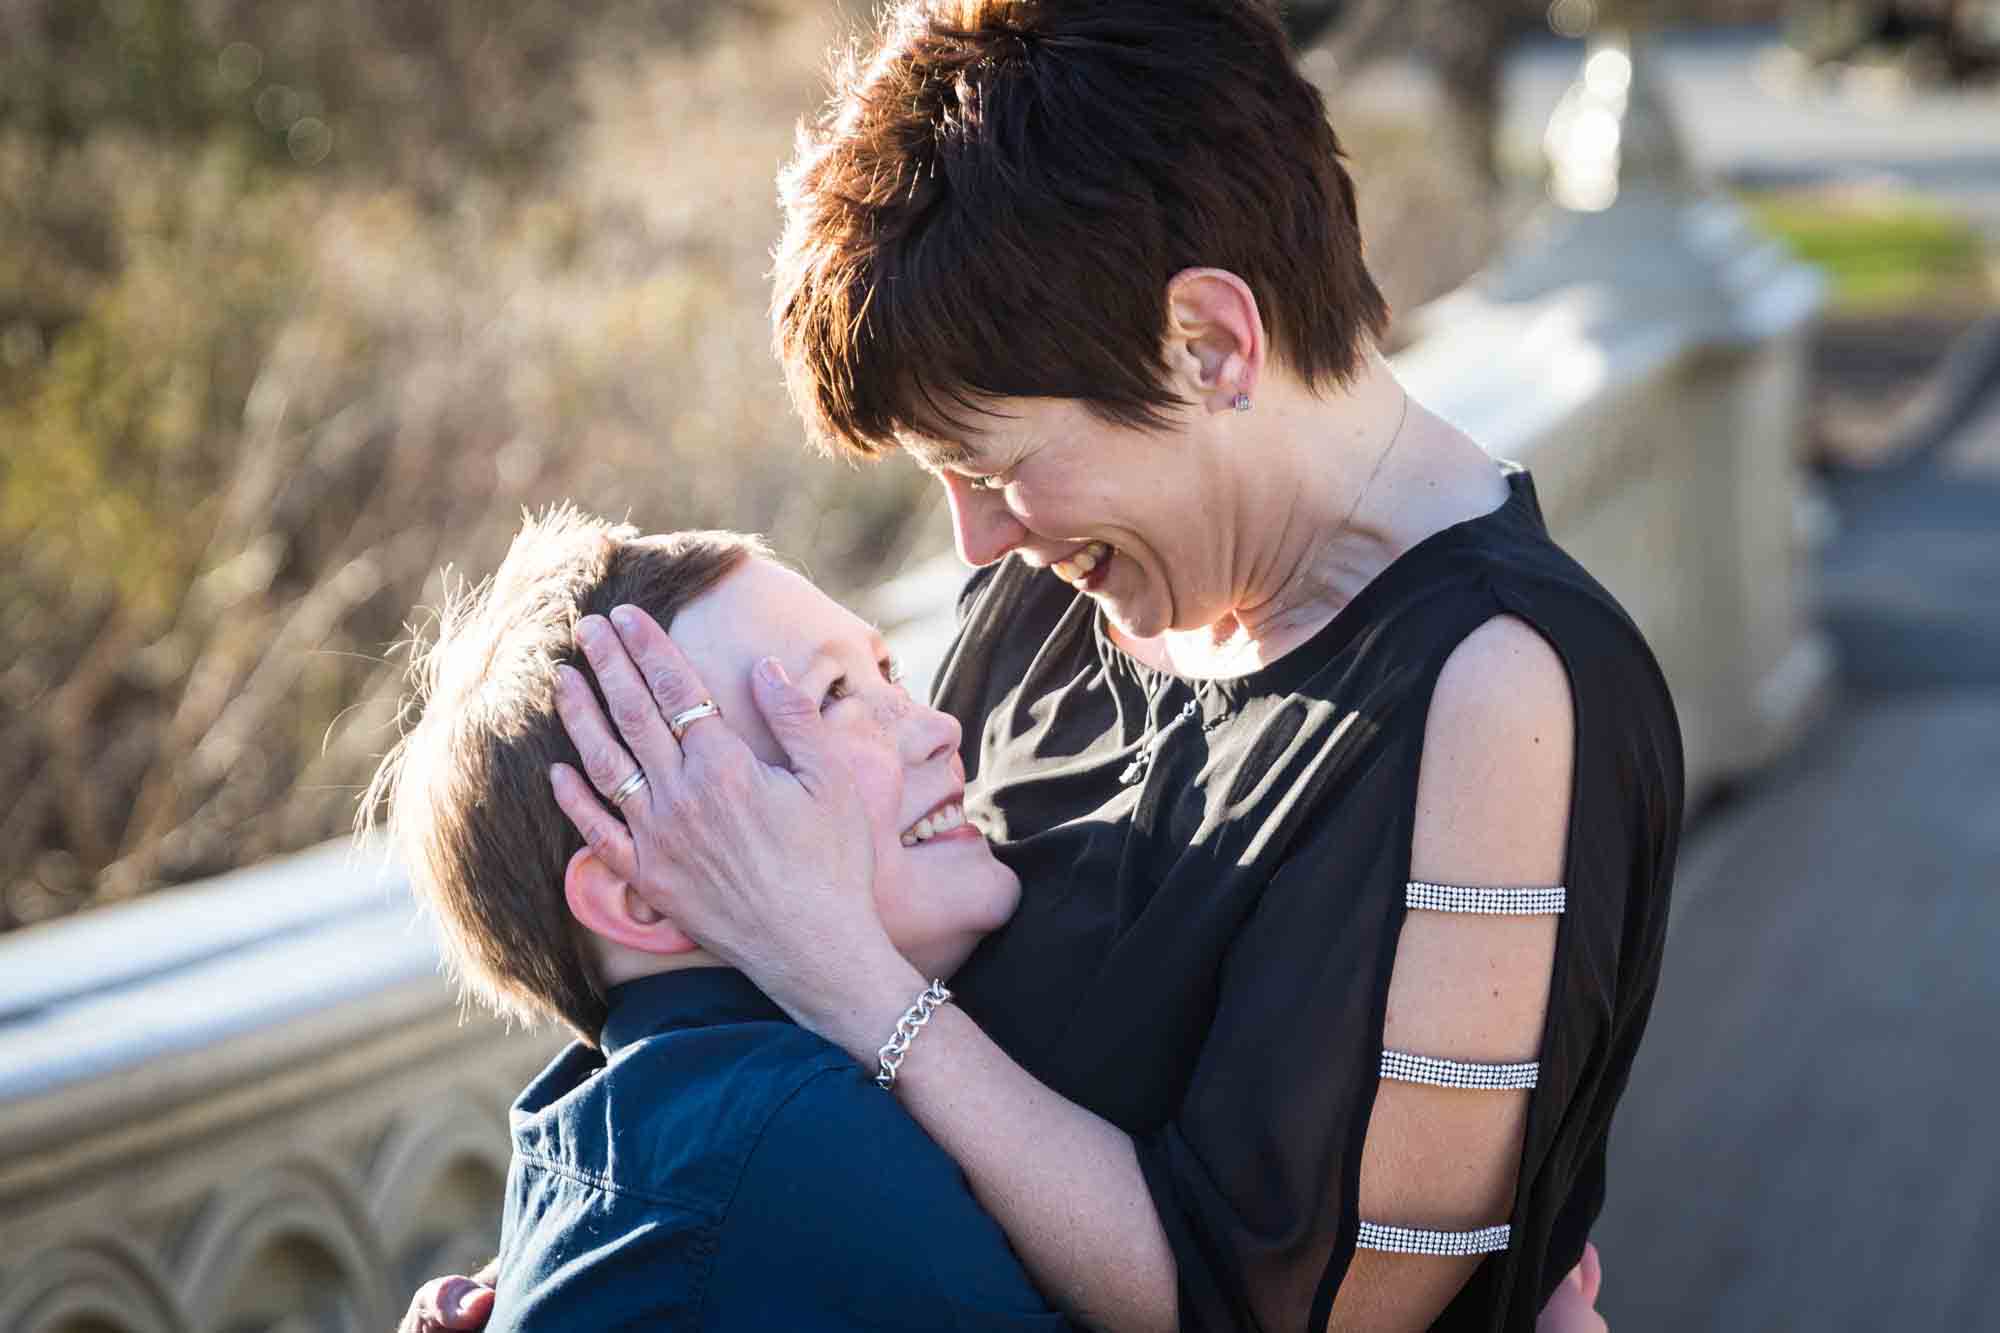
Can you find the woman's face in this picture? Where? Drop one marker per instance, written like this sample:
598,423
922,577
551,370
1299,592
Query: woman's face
1126,516
938,887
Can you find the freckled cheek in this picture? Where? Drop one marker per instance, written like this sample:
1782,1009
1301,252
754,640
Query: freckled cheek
878,778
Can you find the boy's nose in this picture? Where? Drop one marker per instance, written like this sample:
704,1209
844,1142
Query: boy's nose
930,734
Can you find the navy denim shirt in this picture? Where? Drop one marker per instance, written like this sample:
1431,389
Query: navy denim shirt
719,1167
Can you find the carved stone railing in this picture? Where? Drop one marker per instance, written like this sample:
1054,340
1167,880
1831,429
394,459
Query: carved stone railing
249,1104
252,1104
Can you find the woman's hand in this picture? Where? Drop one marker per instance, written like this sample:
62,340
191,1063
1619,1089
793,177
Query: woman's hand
770,869
1573,1307
450,1305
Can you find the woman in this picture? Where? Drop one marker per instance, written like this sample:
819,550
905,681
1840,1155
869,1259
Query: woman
1344,802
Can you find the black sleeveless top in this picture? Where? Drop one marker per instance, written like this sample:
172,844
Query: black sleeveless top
1214,883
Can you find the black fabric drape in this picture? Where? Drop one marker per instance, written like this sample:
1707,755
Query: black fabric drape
1202,956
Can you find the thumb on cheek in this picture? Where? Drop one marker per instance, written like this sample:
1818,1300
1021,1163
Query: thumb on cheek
791,716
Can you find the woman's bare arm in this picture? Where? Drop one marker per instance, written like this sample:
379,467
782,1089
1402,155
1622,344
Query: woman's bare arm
1493,800
1064,1184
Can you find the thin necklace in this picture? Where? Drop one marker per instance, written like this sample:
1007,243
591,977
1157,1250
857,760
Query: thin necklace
1380,459
1155,735
1150,742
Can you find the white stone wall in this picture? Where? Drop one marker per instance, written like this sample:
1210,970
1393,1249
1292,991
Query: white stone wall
248,1105
1648,365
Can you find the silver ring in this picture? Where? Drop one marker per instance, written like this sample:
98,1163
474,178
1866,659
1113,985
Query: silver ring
630,785
687,717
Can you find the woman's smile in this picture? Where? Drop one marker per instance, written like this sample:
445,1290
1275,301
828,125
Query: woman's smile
1087,568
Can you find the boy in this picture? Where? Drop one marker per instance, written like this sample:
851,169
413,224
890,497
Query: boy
695,1160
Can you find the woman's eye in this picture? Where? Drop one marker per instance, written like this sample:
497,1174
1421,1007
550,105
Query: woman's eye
892,671
987,483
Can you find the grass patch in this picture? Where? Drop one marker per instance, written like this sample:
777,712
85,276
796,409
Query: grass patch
1882,252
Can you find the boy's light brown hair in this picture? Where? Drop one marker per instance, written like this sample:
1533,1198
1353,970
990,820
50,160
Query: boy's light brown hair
471,814
996,196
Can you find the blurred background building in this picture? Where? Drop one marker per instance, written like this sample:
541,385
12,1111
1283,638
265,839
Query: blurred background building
301,303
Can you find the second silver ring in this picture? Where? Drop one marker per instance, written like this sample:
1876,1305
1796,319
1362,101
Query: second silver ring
687,717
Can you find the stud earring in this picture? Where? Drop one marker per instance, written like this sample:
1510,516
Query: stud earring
1241,402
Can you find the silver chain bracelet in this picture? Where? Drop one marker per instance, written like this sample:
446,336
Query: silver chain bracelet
907,1027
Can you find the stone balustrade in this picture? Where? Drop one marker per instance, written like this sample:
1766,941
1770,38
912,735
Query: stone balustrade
254,1104
250,1104
1644,353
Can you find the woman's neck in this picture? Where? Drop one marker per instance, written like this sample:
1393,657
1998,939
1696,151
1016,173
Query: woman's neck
1332,490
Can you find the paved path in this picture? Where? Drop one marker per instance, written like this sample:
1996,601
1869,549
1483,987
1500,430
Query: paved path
1810,1138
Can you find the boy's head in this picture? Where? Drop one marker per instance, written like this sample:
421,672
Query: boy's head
534,924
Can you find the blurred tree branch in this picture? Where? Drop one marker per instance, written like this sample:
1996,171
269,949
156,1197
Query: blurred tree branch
1466,41
295,302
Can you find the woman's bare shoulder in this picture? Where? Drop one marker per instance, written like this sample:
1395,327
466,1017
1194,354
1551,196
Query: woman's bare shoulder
1494,783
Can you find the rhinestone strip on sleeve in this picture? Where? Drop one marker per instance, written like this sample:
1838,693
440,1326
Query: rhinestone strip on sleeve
1407,1068
1447,1244
1421,896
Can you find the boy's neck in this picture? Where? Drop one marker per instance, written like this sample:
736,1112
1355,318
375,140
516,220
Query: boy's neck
619,965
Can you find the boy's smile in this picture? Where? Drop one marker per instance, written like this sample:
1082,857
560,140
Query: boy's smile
938,887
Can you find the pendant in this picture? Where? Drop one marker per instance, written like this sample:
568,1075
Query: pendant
1136,770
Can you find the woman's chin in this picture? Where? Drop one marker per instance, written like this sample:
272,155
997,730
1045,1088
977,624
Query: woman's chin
1131,612
1133,622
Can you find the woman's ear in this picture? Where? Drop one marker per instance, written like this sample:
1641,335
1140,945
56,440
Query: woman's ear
608,907
1215,338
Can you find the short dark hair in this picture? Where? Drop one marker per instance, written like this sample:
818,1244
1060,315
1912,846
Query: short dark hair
996,196
470,810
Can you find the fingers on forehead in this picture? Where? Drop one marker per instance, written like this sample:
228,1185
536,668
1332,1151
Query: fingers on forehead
675,685
666,670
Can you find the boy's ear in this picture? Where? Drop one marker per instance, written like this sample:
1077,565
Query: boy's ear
605,905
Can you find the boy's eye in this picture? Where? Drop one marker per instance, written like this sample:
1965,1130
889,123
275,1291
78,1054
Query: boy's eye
987,483
892,672
835,692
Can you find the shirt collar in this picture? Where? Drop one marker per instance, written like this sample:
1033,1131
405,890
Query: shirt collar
691,998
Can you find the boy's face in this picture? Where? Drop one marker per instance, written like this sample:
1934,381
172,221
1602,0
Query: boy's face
938,887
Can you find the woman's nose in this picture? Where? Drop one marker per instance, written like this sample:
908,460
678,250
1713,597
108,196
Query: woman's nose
981,523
